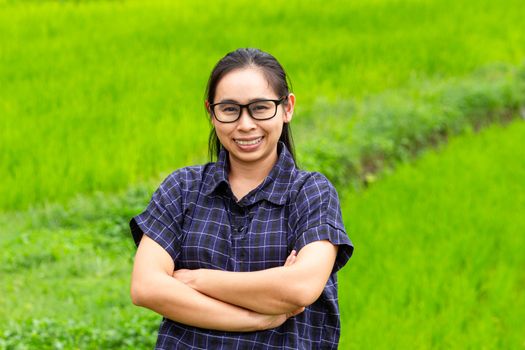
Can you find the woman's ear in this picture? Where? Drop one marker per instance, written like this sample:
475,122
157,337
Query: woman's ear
207,106
289,108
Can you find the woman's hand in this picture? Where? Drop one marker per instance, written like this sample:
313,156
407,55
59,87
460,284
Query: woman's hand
291,258
188,277
273,321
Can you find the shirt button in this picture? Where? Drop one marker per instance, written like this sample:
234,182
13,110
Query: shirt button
240,229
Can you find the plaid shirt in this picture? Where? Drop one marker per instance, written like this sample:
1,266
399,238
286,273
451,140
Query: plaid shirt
195,217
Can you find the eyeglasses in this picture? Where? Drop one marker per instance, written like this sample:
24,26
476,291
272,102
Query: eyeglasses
229,112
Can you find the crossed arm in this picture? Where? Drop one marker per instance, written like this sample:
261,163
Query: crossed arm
230,301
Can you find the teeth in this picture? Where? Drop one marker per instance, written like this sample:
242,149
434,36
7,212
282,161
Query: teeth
246,143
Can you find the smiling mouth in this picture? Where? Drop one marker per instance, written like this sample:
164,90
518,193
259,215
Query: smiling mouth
249,142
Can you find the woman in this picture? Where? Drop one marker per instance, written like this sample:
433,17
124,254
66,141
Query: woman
243,252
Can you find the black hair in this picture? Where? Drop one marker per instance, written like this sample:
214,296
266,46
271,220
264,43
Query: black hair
274,73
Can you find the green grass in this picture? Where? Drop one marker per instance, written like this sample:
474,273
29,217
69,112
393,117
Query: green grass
439,257
65,278
98,96
398,125
438,260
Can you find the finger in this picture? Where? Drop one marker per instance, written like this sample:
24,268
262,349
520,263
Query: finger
288,260
179,272
296,312
291,258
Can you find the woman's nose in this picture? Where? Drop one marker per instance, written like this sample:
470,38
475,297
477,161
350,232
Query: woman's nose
246,121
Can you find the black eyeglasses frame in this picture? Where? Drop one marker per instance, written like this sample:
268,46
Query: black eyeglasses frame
242,106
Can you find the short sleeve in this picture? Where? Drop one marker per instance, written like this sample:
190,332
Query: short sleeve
162,218
320,218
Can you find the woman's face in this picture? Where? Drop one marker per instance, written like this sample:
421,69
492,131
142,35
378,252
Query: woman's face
250,141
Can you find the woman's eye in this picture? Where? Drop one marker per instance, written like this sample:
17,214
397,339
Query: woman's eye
260,107
229,109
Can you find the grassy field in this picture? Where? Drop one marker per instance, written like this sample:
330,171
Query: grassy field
438,262
97,96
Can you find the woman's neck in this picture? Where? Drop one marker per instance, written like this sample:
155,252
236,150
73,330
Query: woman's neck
244,177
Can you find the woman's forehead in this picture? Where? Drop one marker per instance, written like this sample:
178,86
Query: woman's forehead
243,85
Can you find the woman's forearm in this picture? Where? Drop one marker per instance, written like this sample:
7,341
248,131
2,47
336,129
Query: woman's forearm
267,291
271,291
177,301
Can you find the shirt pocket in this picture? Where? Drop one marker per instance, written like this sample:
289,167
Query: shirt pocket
206,242
268,242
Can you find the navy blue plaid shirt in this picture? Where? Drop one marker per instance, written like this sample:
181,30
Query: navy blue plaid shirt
195,217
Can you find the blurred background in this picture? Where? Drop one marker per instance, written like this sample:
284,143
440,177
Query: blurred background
413,109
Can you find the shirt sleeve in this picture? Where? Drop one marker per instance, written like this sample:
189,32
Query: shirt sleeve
320,218
162,218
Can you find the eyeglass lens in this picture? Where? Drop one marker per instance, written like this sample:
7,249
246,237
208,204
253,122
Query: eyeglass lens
228,112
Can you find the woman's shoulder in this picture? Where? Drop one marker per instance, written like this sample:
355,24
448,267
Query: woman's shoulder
186,178
316,201
312,182
311,189
187,173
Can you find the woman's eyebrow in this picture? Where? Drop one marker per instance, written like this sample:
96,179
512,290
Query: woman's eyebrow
230,100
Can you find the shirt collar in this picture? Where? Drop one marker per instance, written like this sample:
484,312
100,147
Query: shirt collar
274,187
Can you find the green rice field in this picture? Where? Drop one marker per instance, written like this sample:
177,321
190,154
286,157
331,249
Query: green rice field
441,263
96,96
100,100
